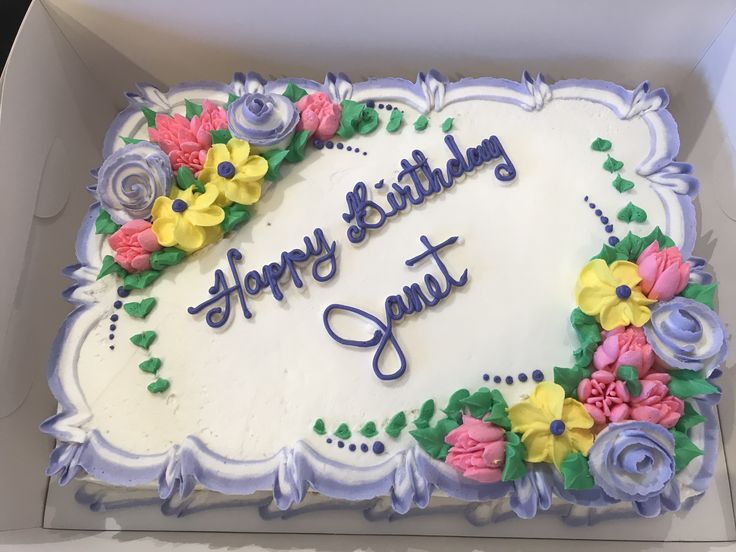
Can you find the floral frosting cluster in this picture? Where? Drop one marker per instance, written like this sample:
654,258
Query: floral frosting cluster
194,178
620,419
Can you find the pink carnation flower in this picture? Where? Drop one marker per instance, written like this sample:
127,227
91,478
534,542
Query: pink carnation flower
624,345
186,142
478,450
319,115
654,404
605,398
663,273
133,244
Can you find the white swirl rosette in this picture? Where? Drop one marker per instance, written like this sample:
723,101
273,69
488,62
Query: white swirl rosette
131,179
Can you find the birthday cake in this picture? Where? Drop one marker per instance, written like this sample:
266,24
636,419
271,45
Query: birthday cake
481,290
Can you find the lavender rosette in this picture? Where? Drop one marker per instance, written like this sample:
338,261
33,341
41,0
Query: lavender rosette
265,121
633,460
687,335
131,179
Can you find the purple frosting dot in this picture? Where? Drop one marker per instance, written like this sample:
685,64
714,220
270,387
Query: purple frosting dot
329,144
591,205
509,380
378,447
598,212
114,318
364,447
522,377
357,150
365,153
623,292
486,377
613,240
122,292
340,444
537,375
339,145
329,440
113,327
604,220
497,379
111,336
351,448
112,347
585,198
609,228
370,103
389,107
117,304
349,148
179,205
226,169
380,106
557,427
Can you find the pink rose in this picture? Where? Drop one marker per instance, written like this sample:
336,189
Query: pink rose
478,450
654,404
605,398
186,142
663,273
624,345
319,115
133,243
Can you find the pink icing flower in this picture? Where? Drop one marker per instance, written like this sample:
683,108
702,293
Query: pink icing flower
654,404
605,398
133,243
624,345
319,115
478,450
663,273
186,142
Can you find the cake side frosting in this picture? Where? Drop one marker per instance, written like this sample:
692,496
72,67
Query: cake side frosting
106,432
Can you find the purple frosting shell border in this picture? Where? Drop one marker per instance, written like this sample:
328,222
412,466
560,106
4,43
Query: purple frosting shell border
409,477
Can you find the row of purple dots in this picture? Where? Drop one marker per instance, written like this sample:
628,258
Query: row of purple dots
122,292
329,144
372,104
607,226
537,375
378,447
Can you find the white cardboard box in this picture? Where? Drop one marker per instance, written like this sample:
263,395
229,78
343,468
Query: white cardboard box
64,82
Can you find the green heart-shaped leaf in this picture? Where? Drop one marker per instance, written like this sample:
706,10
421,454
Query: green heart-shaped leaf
159,386
140,309
150,366
143,339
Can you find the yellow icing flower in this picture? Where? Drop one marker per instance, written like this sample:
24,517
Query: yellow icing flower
236,173
612,294
188,220
550,425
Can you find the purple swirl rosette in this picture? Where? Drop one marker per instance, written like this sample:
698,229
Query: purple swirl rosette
131,179
265,121
686,334
633,460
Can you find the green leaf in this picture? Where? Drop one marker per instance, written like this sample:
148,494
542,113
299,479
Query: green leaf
369,430
514,466
425,414
343,431
631,377
421,123
688,383
296,147
128,140
109,266
576,472
294,92
701,293
368,121
168,256
395,425
192,109
140,280
453,409
230,99
498,416
104,224
350,116
432,441
690,418
150,116
600,144
140,309
185,179
609,254
394,122
685,450
221,136
447,125
621,184
632,213
144,339
275,158
569,379
235,215
479,403
612,165
589,336
159,386
319,426
446,425
632,246
150,366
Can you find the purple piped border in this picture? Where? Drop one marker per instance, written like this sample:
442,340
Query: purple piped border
409,477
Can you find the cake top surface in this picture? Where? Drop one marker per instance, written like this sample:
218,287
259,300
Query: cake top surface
377,278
